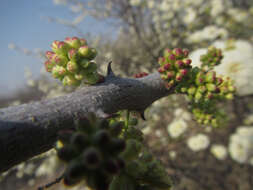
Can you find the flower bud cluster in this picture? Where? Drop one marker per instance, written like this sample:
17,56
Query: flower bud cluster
71,61
204,91
212,58
202,87
92,152
206,86
140,75
174,66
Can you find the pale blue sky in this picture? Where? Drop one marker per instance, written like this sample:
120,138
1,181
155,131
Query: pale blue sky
23,23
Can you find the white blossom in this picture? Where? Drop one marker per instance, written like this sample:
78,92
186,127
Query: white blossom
135,2
241,144
210,32
238,64
177,127
198,142
219,151
217,7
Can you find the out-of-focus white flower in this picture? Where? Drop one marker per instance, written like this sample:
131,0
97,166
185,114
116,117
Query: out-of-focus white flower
241,144
150,4
135,2
177,127
208,33
238,14
238,64
195,56
49,165
248,120
182,114
30,82
198,142
172,154
217,7
190,16
219,151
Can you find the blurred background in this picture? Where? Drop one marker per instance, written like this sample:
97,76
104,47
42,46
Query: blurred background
133,34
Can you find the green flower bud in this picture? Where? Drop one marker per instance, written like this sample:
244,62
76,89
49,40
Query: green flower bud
102,138
117,145
70,80
229,96
80,140
111,166
91,158
133,148
72,66
84,51
116,128
49,66
58,71
197,96
133,121
60,48
92,53
211,87
73,55
191,90
201,89
73,42
59,60
75,172
210,76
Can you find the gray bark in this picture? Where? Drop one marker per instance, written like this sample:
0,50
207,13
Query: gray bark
31,129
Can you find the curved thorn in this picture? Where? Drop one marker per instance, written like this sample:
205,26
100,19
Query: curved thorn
109,69
142,115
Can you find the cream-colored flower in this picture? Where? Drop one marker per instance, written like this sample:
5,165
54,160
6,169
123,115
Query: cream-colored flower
217,7
238,64
198,142
177,127
241,144
182,114
219,151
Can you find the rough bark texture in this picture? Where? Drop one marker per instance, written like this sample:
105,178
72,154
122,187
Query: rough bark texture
30,129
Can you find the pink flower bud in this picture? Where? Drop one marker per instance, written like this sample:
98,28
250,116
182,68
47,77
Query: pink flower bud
84,51
73,42
186,53
48,65
161,60
172,57
183,72
166,66
179,77
49,54
179,64
178,52
161,70
72,66
72,54
187,62
59,60
170,74
55,44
